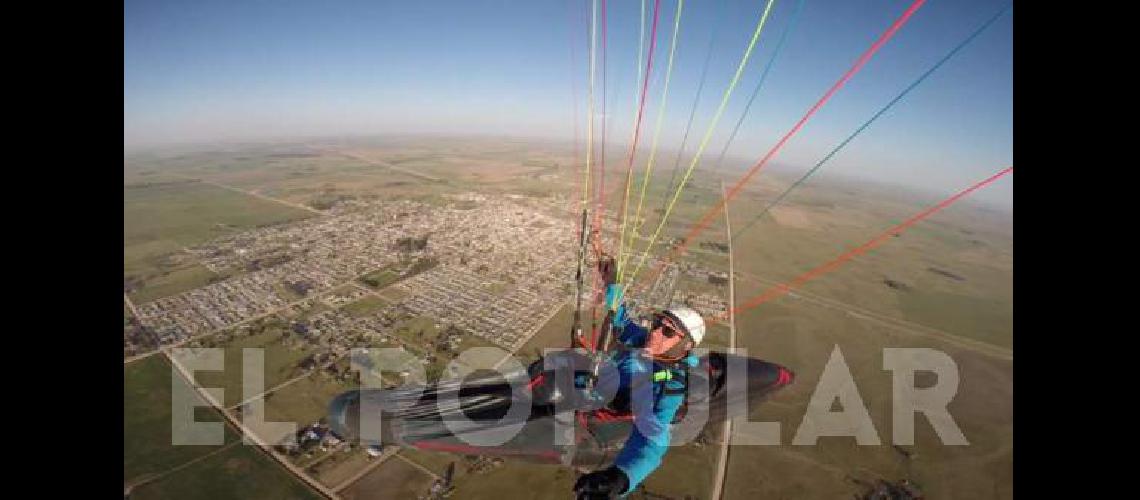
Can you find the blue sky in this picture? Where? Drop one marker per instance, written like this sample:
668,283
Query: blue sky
234,70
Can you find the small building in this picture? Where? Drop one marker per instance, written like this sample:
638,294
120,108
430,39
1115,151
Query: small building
309,435
308,363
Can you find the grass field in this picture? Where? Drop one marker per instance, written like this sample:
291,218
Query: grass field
173,282
472,341
394,479
168,216
716,336
418,331
281,363
891,283
147,441
984,319
365,306
338,468
952,272
319,177
380,279
555,333
696,464
517,480
393,294
239,472
304,401
161,218
801,335
434,461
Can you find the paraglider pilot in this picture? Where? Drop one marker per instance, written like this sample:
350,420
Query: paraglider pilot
661,355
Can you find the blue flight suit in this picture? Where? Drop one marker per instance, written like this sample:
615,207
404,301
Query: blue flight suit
649,438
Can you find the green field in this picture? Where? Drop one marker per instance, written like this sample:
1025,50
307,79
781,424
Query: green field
716,336
517,480
365,306
555,333
983,319
801,335
952,272
707,259
239,472
696,464
380,279
281,363
147,441
339,467
304,401
173,282
165,217
436,462
471,341
418,331
393,294
319,178
316,308
160,218
394,479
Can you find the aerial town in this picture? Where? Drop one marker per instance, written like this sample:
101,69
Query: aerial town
493,267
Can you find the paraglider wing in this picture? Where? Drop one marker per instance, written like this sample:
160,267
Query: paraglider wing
445,416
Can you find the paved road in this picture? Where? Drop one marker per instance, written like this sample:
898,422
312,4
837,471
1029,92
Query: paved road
726,437
252,193
390,166
237,423
131,305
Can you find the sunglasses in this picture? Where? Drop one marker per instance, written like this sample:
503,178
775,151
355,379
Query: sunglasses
666,326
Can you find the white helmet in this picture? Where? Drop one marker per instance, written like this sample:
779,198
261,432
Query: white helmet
690,321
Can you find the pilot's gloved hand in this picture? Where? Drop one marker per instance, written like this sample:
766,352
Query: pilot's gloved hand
606,483
620,317
613,296
607,267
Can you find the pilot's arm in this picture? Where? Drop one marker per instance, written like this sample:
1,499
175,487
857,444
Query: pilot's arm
626,330
648,440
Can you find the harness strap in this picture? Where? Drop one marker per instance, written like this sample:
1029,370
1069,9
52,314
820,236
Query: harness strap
621,400
668,375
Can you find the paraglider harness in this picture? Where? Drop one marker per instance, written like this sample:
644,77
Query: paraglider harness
621,409
674,370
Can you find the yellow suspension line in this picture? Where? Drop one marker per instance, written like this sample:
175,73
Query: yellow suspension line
656,135
704,141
